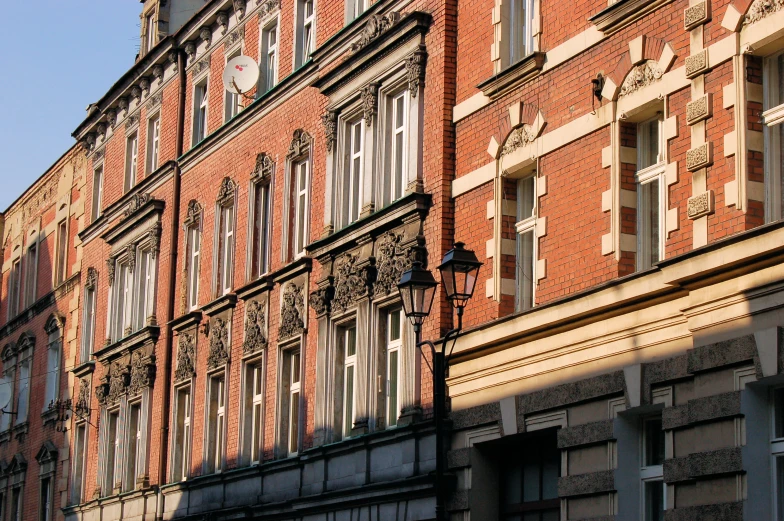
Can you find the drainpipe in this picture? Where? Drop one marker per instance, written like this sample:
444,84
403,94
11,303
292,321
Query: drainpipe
170,304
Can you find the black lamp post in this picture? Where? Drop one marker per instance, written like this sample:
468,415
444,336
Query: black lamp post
417,286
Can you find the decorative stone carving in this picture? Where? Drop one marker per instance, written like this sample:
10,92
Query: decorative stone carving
111,118
369,102
264,167
330,122
319,301
91,281
190,51
205,34
142,373
700,205
239,8
761,9
133,119
375,27
193,213
299,144
82,405
173,58
351,283
235,36
186,358
255,320
268,7
155,101
137,201
226,191
201,65
391,262
696,15
223,21
415,71
123,104
53,324
116,383
144,83
130,251
697,63
291,312
157,73
98,155
136,93
219,344
699,109
519,137
640,76
102,393
154,236
110,267
699,157
101,129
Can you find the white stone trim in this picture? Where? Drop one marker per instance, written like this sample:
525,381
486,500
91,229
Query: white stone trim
483,174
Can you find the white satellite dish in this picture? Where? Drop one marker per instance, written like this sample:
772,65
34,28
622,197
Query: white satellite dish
240,74
5,397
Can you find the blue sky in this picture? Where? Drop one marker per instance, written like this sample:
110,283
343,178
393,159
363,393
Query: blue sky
57,57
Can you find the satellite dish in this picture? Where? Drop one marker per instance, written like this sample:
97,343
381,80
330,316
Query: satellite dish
5,396
241,74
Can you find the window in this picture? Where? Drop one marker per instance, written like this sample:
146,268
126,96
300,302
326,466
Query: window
518,27
182,435
305,27
653,488
31,274
300,207
526,243
353,178
269,56
216,424
53,356
200,95
651,192
7,381
225,273
23,398
134,445
348,340
97,192
14,287
293,409
529,479
121,315
396,147
131,161
394,343
149,26
260,232
45,503
62,252
88,321
773,116
144,291
153,143
77,472
777,449
355,8
16,504
253,411
232,101
194,249
112,461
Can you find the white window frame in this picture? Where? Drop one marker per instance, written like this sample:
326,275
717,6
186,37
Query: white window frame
231,100
88,324
31,273
253,413
182,435
519,29
773,135
194,264
215,448
46,498
15,286
653,173
269,52
112,461
200,111
398,181
97,192
153,143
393,347
526,225
305,32
649,474
79,467
61,251
350,193
348,415
259,245
8,378
144,288
133,443
354,9
150,31
23,395
295,396
54,356
225,243
301,198
131,161
120,304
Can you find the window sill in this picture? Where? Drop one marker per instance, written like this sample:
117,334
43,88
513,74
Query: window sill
5,436
20,429
220,304
255,287
623,13
186,321
83,369
49,416
513,76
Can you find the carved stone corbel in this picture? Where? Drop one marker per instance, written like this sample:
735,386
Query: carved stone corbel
330,122
205,34
369,102
415,70
223,21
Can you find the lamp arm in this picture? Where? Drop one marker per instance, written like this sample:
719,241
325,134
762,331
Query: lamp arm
422,343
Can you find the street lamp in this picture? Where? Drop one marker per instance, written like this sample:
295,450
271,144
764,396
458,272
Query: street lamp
459,270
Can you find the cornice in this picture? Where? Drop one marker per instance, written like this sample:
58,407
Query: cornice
260,285
133,217
622,13
40,306
147,335
291,270
514,76
220,304
186,321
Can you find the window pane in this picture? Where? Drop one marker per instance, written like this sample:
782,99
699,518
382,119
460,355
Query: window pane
392,412
778,401
349,402
394,325
525,198
525,270
294,429
654,501
295,368
351,341
654,442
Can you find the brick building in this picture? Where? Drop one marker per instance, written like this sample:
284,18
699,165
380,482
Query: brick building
237,346
41,263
